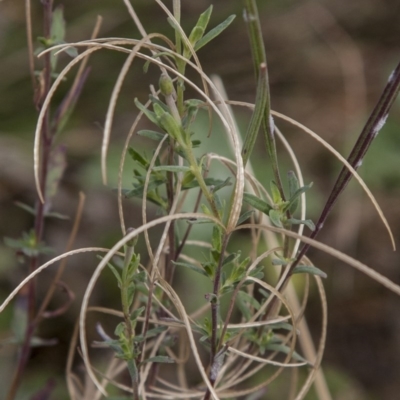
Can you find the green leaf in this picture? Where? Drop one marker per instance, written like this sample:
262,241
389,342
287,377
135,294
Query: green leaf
130,294
131,364
226,182
279,261
230,258
281,325
286,350
257,203
159,359
216,240
25,207
28,245
149,114
192,267
257,116
245,216
19,322
295,197
116,274
213,33
172,168
138,190
196,143
154,100
150,333
169,123
138,157
249,299
204,19
293,187
57,32
191,108
309,269
155,331
208,181
56,215
56,168
306,222
276,195
137,313
151,134
264,293
71,51
243,306
205,209
195,35
187,178
275,217
120,329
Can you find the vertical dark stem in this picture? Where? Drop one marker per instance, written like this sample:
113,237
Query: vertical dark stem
371,129
30,292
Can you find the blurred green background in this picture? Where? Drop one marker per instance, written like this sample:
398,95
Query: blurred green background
328,62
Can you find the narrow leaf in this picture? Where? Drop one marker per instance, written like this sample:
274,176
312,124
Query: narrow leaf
160,359
192,267
249,299
226,182
25,207
257,116
151,134
138,157
257,203
245,216
306,222
293,187
150,115
275,217
57,32
208,181
286,350
276,195
294,199
57,165
309,269
214,33
116,273
204,18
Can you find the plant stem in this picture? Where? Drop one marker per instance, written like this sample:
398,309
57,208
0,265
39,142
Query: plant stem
215,310
39,215
260,60
367,135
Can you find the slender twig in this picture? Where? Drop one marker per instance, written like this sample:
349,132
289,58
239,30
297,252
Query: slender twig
215,312
39,215
260,59
28,20
371,129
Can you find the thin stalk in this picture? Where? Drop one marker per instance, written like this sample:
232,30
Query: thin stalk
179,62
39,216
371,129
197,174
259,58
171,232
258,114
215,311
